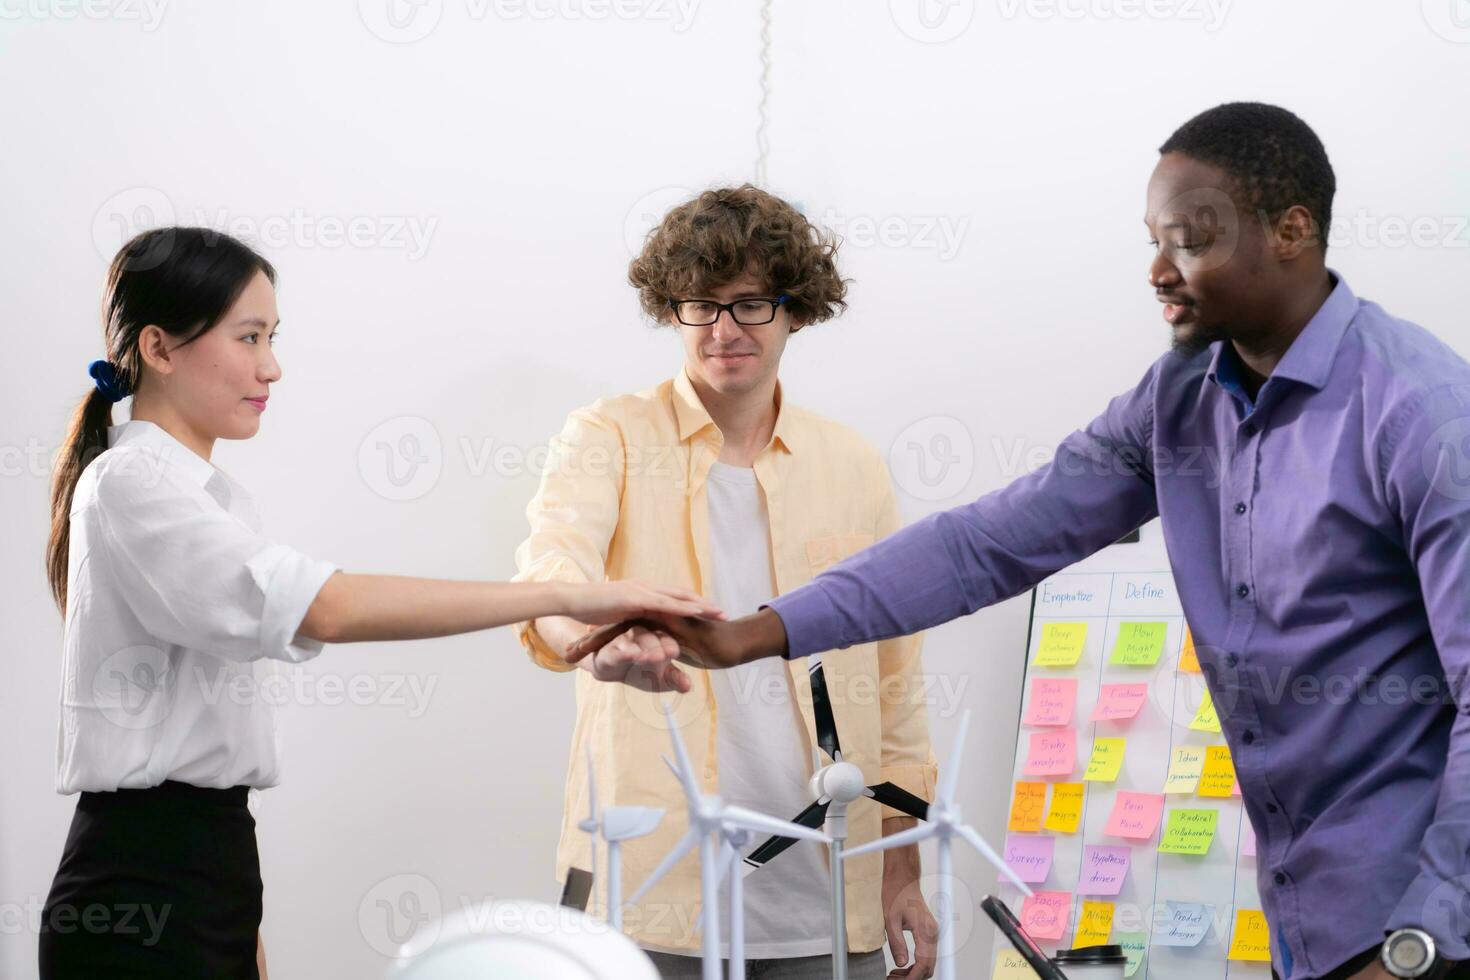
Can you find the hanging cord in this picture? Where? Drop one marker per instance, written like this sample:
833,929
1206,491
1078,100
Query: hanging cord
763,113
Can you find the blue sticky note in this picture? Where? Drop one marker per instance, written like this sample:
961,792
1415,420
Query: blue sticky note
1182,923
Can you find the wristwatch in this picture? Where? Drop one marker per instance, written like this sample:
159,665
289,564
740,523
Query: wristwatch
1411,953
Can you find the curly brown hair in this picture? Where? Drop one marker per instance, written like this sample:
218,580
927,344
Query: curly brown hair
726,232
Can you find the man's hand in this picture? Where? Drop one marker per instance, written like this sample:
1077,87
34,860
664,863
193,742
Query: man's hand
641,658
904,910
699,642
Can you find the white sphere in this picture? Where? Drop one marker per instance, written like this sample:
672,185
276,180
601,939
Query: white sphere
843,781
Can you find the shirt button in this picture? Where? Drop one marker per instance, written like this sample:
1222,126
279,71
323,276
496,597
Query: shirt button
1232,660
1242,590
1250,429
1240,508
1280,878
1272,808
1247,736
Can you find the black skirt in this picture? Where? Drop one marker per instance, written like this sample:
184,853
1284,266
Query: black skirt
160,882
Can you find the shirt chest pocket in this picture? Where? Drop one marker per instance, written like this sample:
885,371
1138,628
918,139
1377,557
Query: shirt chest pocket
824,552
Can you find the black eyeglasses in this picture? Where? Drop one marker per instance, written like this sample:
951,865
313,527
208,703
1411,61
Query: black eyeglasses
746,312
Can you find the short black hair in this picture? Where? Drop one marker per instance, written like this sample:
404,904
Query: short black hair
1273,157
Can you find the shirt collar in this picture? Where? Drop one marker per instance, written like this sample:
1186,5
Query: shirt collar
153,438
1309,358
692,416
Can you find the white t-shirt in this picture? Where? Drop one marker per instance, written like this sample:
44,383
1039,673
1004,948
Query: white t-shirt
177,609
763,750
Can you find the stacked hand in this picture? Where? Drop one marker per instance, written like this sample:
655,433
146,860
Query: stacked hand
642,651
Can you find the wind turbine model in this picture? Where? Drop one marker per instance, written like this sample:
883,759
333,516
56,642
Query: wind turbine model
719,829
944,825
614,825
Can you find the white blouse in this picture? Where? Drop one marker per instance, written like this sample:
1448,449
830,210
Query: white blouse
176,606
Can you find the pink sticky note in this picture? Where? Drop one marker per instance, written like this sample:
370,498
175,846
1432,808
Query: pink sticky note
1052,753
1117,702
1045,915
1247,840
1135,815
1052,701
1029,856
1103,869
1235,790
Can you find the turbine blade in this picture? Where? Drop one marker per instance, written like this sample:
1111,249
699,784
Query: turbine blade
812,816
685,845
904,837
739,816
900,799
978,843
685,772
951,772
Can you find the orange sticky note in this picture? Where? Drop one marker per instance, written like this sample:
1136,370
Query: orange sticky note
1135,815
1251,939
1066,808
1218,776
1027,807
1045,915
1189,657
1052,753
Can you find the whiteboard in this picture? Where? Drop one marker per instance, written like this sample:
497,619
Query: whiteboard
1126,583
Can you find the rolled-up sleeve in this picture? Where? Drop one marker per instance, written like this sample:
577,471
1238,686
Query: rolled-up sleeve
196,576
1426,472
573,516
1099,486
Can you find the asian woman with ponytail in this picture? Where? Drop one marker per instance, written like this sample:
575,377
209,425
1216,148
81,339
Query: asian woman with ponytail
169,590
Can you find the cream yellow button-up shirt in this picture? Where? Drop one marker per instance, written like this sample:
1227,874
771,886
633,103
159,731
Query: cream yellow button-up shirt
623,496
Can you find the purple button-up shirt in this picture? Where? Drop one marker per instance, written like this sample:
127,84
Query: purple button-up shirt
1320,540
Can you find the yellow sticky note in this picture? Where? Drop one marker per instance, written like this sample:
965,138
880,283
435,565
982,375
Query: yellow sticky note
1066,808
1205,719
1027,807
1094,925
1251,940
1061,644
1218,776
1139,644
1185,767
1189,832
1107,759
1011,965
1189,657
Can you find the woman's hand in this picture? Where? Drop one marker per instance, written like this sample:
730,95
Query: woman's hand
708,643
614,602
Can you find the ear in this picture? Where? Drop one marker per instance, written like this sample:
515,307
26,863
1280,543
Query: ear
1296,232
153,349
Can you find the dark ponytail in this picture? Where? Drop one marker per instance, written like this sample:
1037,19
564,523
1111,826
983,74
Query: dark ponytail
181,280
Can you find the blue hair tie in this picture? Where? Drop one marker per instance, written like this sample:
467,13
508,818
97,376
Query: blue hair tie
104,376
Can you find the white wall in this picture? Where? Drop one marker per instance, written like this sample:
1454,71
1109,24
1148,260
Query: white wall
526,150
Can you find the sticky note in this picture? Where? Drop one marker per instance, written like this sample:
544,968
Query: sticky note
1247,838
1139,644
1218,776
1027,807
1119,702
1052,753
1011,965
1106,761
1251,940
1066,807
1135,946
1029,857
1052,701
1189,656
1189,831
1104,868
1205,719
1135,815
1061,644
1182,923
1185,766
1094,925
1045,915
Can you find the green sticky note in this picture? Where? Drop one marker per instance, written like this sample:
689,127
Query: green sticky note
1189,832
1139,644
1135,945
1061,644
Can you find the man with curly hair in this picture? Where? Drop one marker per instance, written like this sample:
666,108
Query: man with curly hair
714,480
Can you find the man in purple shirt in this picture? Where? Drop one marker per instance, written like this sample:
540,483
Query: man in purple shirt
1309,458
